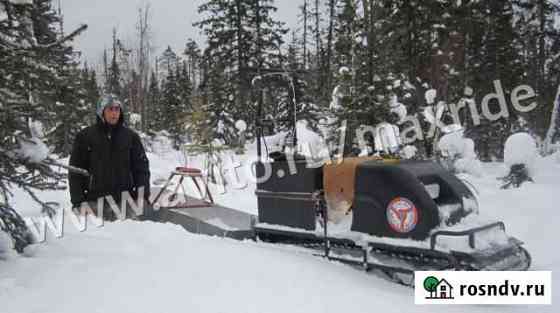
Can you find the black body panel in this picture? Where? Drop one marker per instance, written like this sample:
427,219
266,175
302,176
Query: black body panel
378,183
275,204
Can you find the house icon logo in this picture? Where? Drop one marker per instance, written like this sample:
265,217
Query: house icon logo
438,288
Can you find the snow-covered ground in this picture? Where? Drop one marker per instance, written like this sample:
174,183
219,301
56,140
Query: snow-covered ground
129,266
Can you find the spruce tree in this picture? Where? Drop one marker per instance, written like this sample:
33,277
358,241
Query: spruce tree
167,60
218,102
171,107
243,35
534,21
193,61
496,59
71,109
68,96
155,112
292,86
185,89
113,85
89,81
27,66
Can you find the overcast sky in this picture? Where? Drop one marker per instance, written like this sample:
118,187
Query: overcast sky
171,22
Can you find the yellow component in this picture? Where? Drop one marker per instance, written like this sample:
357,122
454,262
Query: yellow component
338,183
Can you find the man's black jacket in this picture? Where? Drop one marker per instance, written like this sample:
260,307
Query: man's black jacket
115,159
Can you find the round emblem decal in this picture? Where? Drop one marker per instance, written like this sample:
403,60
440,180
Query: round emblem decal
402,215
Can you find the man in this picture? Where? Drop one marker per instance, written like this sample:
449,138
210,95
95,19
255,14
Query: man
114,157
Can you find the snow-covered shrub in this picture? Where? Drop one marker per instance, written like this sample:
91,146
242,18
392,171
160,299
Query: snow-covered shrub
241,127
135,119
161,143
408,152
458,153
520,148
520,154
32,150
430,96
387,138
310,144
398,108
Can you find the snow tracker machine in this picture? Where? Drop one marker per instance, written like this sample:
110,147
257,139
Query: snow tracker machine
396,216
388,215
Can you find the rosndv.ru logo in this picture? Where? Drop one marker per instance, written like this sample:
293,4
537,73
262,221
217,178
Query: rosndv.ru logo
438,288
483,287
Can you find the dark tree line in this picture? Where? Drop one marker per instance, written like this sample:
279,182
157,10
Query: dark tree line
394,51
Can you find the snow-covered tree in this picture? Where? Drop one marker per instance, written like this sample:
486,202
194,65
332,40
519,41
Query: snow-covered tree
538,40
27,62
217,101
173,107
89,81
457,153
113,85
154,105
185,87
166,61
193,59
70,111
243,35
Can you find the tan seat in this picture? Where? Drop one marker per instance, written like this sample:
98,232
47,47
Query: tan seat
338,181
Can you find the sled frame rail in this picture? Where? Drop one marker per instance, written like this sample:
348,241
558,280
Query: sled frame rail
470,233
